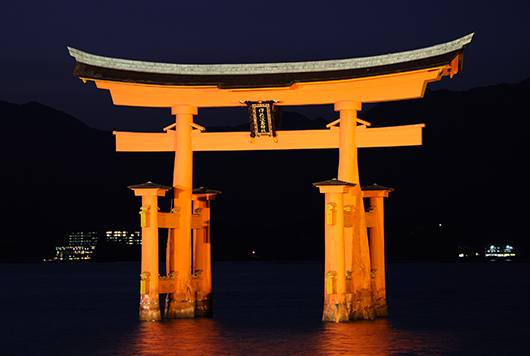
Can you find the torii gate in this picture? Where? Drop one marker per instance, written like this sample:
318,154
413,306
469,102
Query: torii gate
354,286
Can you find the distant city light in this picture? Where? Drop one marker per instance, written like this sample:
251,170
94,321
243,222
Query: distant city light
497,251
502,251
82,244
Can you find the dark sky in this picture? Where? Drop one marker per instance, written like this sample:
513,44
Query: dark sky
35,64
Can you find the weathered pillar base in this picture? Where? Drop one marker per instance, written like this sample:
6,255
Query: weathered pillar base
149,309
362,307
381,309
204,306
179,309
349,303
335,311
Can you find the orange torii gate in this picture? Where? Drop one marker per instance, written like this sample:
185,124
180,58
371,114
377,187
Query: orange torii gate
354,266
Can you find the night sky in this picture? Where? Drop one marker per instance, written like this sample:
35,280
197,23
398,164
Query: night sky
35,64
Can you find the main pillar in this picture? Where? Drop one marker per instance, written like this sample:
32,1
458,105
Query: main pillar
335,307
202,261
360,301
149,295
182,303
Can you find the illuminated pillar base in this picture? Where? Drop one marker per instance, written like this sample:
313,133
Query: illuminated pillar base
179,308
379,297
335,311
204,306
381,309
149,308
362,306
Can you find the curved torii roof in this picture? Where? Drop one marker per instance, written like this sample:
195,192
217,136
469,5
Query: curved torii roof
442,59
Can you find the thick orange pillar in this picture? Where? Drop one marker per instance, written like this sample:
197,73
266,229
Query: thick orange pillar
182,303
149,296
377,194
335,307
360,301
202,261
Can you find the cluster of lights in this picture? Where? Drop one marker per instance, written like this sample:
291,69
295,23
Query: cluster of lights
129,238
81,245
497,251
494,251
466,255
73,253
83,238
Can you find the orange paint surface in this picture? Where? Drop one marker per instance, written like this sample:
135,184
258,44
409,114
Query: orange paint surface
346,245
407,135
149,305
335,308
181,304
372,89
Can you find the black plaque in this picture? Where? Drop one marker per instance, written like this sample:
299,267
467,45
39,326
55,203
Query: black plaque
261,118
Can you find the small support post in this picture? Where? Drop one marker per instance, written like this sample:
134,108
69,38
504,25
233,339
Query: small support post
335,307
360,302
376,194
149,293
181,304
202,262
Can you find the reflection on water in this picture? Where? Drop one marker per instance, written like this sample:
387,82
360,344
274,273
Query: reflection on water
364,338
209,337
381,338
266,309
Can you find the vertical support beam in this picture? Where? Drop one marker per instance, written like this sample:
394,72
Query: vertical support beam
181,304
377,254
335,309
360,300
335,304
202,261
149,296
202,266
377,193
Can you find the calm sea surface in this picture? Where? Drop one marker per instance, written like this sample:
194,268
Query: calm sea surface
266,308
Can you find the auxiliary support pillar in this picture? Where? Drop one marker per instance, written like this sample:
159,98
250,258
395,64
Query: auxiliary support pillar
149,281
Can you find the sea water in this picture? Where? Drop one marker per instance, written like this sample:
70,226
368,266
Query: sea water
266,308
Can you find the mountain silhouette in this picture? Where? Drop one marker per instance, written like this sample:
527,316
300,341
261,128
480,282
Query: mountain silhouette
461,187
